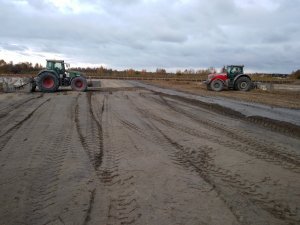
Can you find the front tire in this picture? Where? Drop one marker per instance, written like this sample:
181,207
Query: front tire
79,84
217,85
48,82
243,84
208,87
32,85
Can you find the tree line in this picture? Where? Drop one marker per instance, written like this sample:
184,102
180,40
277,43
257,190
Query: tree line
29,68
296,74
102,71
19,68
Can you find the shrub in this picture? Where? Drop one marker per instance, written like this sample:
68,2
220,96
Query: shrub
296,74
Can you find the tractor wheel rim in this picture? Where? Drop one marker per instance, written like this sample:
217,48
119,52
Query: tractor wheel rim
244,85
48,82
217,85
79,84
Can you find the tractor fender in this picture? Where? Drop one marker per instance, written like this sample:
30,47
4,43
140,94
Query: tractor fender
237,77
47,71
219,77
241,75
36,79
72,78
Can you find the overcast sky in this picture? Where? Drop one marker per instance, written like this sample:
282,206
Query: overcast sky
264,35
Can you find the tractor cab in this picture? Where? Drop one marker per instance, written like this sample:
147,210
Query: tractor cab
56,65
234,70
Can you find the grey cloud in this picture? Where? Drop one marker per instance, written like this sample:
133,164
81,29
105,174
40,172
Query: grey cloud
13,47
276,38
150,34
39,4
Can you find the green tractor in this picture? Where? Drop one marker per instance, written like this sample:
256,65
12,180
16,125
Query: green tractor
55,75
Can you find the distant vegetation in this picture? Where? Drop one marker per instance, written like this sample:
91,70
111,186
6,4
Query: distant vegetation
29,68
201,74
160,72
296,74
20,68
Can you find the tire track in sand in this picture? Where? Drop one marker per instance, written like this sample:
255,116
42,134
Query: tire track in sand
7,132
219,177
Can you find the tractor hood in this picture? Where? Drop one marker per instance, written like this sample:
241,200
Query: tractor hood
73,73
212,75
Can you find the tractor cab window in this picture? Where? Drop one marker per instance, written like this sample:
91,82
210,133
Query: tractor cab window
50,65
235,70
230,70
54,66
58,65
238,70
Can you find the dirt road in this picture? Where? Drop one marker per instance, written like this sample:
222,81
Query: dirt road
127,155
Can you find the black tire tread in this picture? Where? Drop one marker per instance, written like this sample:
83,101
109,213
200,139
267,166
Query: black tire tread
42,77
83,79
217,89
243,79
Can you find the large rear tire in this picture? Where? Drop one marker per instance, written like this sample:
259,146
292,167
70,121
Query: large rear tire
243,84
79,84
217,85
48,82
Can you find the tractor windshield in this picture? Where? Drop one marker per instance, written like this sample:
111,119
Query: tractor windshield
58,65
234,70
54,65
50,65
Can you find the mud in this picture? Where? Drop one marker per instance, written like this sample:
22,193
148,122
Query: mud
249,109
123,154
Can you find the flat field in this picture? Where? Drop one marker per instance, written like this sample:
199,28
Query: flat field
126,153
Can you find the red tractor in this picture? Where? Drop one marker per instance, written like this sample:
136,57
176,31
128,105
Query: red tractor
233,77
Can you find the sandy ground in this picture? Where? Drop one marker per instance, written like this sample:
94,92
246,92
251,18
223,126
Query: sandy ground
279,98
127,155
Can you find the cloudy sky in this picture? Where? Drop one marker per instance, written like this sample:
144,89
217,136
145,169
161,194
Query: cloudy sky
148,34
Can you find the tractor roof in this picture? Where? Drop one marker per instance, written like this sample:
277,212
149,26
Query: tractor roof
236,65
54,60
